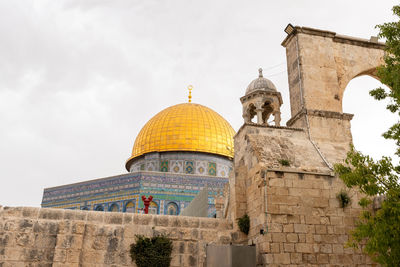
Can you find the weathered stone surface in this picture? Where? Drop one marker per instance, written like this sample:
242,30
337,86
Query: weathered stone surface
51,237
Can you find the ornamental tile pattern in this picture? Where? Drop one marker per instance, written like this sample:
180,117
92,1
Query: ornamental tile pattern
189,167
164,166
212,169
125,191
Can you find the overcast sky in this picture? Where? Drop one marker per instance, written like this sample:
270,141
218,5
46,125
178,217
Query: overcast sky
78,79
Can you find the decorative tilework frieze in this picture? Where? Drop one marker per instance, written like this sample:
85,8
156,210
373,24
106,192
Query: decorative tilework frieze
176,163
189,167
102,193
212,168
164,166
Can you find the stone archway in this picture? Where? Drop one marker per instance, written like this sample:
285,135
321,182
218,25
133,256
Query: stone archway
320,65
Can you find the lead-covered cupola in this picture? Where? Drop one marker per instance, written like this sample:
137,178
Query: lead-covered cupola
262,100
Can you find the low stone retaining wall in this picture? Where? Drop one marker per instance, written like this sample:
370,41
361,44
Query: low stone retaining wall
56,237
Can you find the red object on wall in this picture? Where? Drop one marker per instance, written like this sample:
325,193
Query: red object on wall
146,202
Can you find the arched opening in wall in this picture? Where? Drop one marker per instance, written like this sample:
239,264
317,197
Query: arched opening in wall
172,208
251,110
371,118
85,208
267,110
130,207
114,208
99,208
153,208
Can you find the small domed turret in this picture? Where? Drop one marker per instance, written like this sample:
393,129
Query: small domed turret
260,83
261,100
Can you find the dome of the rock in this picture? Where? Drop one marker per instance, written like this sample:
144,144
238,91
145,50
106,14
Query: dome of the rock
185,127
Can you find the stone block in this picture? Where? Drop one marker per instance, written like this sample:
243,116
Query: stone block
292,238
73,256
11,212
293,218
322,258
192,222
51,214
310,219
142,219
45,241
300,228
25,225
48,227
326,248
286,200
75,215
276,182
325,220
330,239
113,218
337,248
21,239
208,223
95,216
60,256
296,258
69,241
302,238
275,218
275,228
320,202
161,220
127,218
288,228
275,248
282,258
304,248
78,227
339,230
305,183
309,258
278,237
288,247
208,235
320,229
29,212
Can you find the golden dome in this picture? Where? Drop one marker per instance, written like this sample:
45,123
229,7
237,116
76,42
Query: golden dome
185,127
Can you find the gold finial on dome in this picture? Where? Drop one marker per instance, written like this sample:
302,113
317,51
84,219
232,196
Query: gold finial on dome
260,73
190,87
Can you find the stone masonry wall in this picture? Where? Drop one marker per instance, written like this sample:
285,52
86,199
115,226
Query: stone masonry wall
306,225
296,205
56,237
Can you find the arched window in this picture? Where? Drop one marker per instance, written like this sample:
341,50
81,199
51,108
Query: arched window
153,208
130,207
99,208
172,209
114,208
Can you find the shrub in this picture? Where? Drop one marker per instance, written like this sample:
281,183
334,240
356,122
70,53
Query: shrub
284,162
344,198
154,251
244,224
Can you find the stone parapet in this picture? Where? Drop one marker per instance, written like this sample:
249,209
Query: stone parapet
56,237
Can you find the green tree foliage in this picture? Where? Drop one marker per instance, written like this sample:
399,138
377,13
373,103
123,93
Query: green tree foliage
154,251
380,230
